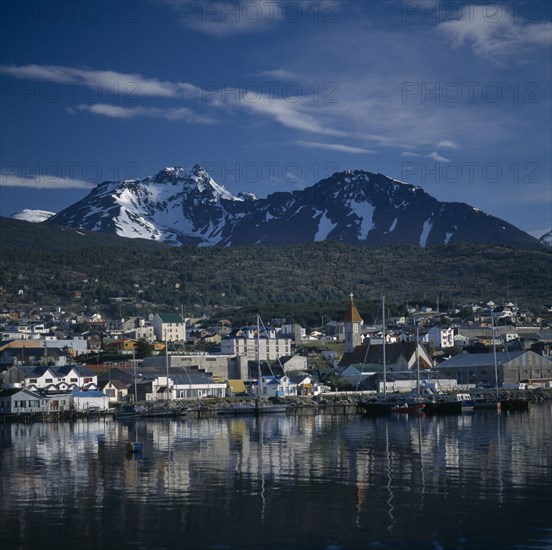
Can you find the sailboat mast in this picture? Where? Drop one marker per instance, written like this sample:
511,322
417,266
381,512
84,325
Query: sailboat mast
417,358
134,371
383,335
167,369
259,373
494,355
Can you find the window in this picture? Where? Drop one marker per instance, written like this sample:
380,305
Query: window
49,380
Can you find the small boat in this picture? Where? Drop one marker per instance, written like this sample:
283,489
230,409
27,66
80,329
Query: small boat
408,408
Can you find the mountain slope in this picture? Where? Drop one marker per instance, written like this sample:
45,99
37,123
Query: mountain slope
180,206
55,265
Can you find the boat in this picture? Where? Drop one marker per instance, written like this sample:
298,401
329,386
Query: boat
142,411
408,408
376,407
449,404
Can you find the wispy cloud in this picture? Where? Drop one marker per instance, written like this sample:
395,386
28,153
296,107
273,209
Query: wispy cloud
128,85
436,156
278,74
223,19
433,155
335,147
43,182
171,114
496,35
296,115
448,144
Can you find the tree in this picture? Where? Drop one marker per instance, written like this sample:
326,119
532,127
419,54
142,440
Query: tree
143,349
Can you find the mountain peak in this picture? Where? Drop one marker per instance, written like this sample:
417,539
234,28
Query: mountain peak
187,206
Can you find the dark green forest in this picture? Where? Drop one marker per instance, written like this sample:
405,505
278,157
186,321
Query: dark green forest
52,265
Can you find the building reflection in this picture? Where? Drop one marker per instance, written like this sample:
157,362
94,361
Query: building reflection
376,469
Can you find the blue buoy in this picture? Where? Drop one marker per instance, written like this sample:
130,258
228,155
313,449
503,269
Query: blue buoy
134,447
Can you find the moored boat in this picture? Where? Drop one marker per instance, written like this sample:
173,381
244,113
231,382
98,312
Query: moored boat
408,408
142,411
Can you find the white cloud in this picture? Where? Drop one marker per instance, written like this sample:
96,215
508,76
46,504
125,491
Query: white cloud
292,114
171,114
111,83
436,156
494,34
448,144
335,147
278,74
43,181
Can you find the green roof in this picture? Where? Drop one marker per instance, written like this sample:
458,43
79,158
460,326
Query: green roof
170,317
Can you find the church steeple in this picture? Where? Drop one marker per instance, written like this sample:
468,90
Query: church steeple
353,322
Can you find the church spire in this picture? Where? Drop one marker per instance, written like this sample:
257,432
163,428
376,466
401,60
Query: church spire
352,321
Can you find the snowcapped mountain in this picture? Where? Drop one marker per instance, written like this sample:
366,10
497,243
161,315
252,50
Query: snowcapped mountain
180,206
34,216
546,239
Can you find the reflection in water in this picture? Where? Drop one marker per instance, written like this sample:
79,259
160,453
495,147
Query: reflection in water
470,481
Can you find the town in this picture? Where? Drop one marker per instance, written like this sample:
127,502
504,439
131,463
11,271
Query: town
57,362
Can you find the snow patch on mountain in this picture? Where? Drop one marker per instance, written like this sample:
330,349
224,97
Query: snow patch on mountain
325,226
546,239
33,216
428,224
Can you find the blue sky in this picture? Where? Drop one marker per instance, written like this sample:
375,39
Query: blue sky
271,95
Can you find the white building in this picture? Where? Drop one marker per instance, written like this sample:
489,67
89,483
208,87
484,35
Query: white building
169,327
20,400
192,386
268,347
277,387
92,400
441,337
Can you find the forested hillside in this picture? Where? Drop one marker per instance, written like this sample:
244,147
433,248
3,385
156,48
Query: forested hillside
51,265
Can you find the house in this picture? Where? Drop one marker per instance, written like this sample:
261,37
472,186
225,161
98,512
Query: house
116,390
307,385
169,327
89,400
52,378
273,386
512,367
196,385
22,401
125,346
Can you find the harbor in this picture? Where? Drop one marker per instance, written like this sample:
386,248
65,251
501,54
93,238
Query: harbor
477,480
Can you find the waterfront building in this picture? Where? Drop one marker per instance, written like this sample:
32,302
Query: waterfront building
513,367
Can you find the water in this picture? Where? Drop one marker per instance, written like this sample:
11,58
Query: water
318,482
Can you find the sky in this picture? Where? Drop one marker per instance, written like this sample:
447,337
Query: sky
274,95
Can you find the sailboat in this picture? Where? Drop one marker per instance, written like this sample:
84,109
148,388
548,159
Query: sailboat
259,406
382,404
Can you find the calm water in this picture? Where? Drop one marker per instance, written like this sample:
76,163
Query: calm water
474,481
